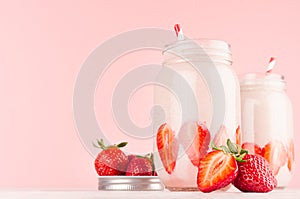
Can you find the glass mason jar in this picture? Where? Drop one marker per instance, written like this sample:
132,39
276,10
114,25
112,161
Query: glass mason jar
267,122
200,98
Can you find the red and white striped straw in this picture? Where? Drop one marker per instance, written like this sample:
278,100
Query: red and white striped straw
271,65
179,32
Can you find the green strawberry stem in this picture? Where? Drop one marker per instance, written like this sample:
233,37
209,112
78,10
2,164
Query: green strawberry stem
100,144
233,149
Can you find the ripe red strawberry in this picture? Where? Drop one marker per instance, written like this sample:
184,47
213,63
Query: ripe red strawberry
111,160
274,152
254,175
130,157
139,166
195,138
217,169
252,148
167,146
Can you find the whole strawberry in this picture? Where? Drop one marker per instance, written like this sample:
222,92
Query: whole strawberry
139,166
254,175
111,160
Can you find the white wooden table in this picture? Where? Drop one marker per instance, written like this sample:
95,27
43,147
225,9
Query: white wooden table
85,194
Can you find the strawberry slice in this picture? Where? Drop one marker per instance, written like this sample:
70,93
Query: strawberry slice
195,138
274,152
167,146
217,170
238,135
221,136
291,155
252,148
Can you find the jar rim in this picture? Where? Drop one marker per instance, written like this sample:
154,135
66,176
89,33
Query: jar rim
262,79
217,49
204,43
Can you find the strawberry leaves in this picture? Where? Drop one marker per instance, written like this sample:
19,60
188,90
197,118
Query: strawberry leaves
122,144
100,144
233,149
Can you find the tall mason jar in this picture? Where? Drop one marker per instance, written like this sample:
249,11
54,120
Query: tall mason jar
267,121
200,98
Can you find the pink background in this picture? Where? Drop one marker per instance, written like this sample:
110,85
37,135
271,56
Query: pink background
42,47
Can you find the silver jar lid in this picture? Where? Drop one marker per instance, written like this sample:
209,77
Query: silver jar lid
129,183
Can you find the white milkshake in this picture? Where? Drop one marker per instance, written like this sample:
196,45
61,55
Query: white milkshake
207,53
267,121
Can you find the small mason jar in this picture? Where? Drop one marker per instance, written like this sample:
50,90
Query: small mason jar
200,98
267,122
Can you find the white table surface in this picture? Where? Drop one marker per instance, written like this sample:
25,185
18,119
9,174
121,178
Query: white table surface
85,194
